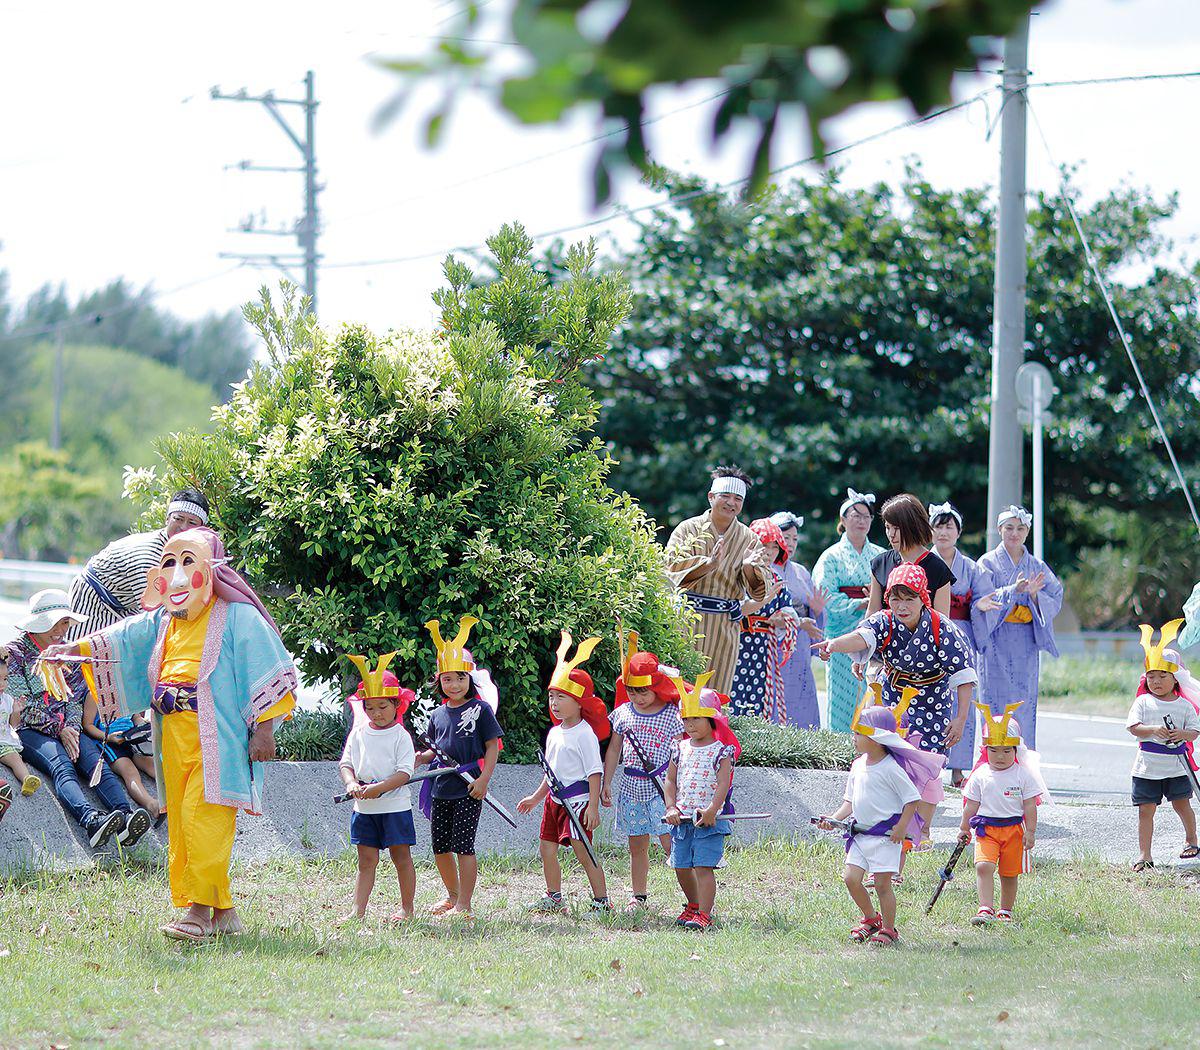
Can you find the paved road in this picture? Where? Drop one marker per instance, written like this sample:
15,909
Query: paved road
1085,757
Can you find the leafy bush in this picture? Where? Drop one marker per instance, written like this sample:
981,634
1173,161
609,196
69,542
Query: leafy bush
312,736
369,484
785,747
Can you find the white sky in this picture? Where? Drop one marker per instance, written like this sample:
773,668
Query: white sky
112,152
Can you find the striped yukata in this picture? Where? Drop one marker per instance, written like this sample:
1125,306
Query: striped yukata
111,585
716,596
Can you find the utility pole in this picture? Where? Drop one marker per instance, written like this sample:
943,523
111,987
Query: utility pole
56,420
305,229
1008,333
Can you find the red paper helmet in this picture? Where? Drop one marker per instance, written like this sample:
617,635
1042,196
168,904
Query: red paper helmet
591,707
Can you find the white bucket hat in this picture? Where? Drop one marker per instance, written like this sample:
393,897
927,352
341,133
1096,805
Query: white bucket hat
46,608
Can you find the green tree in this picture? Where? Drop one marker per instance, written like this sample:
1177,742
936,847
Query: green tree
214,350
770,57
829,336
383,482
44,498
115,405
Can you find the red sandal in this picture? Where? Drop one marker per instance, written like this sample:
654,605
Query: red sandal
885,936
864,930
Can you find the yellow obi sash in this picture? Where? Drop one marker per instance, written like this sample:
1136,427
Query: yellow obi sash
1020,614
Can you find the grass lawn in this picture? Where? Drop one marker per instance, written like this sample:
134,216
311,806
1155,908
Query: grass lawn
1099,956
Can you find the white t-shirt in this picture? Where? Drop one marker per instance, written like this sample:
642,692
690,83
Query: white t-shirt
376,754
1149,711
8,735
878,791
1001,792
573,754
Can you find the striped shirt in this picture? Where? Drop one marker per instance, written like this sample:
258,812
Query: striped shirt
655,733
111,585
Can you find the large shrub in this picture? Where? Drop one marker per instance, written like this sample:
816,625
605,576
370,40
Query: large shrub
373,483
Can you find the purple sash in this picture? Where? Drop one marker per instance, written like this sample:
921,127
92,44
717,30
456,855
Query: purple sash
638,771
884,827
1162,749
425,798
981,823
170,697
580,787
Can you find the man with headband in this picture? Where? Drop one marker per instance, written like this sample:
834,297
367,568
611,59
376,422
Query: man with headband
111,584
716,560
207,658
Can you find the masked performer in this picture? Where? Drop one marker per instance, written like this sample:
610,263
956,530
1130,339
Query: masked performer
207,658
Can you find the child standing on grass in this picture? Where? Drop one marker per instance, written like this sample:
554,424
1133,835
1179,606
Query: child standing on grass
10,744
465,728
885,784
699,779
376,764
1166,693
1000,800
580,722
646,715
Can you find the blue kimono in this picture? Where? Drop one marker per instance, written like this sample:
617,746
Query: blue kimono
244,672
971,583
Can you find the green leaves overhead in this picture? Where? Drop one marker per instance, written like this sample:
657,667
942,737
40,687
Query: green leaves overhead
771,57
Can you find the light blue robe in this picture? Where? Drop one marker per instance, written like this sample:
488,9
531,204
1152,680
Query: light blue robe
244,672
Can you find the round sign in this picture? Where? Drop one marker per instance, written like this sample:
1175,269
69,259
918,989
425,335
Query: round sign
1033,375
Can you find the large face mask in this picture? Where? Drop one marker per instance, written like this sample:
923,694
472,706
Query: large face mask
183,581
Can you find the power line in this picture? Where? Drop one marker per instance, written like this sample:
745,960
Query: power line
1126,342
93,319
438,190
1114,80
678,198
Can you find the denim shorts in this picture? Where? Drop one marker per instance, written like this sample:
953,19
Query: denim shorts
693,847
1152,792
641,818
383,830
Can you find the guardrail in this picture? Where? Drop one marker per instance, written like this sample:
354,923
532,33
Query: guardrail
24,577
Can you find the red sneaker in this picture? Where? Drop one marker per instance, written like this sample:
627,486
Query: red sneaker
685,915
700,920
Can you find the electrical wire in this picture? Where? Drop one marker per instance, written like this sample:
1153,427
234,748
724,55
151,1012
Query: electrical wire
679,198
1113,80
1126,342
97,318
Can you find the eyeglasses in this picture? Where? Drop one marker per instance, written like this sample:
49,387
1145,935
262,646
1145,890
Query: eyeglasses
859,515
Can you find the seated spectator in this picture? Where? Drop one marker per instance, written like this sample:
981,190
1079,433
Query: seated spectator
119,754
10,743
51,728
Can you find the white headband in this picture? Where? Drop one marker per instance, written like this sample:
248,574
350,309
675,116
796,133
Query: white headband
181,506
1013,511
937,510
853,497
735,486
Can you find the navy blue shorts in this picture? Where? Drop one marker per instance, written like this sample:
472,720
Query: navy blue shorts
1152,792
383,830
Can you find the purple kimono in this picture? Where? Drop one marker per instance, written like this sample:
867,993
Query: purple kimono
799,686
1023,628
970,585
934,662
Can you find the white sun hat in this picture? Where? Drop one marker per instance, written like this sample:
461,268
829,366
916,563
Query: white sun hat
46,608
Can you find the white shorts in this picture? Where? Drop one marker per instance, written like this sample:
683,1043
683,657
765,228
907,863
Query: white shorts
876,854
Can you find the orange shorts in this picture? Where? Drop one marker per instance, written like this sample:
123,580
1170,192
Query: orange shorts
1003,847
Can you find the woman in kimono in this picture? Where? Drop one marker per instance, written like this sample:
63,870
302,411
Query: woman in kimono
808,602
843,572
768,641
1029,596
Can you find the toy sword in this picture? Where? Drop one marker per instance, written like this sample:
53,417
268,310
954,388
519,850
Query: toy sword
557,790
694,818
1191,773
428,745
631,736
945,875
416,778
847,827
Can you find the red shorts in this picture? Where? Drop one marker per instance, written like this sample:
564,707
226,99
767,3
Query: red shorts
556,826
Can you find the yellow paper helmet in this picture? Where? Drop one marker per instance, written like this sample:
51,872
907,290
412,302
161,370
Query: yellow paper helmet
874,691
690,704
453,655
632,681
561,679
372,680
1155,658
1000,730
901,708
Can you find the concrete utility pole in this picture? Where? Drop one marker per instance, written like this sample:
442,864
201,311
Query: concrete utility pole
305,230
1008,333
